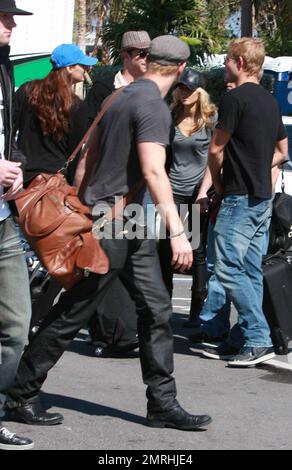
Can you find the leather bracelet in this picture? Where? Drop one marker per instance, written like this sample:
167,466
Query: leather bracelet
176,234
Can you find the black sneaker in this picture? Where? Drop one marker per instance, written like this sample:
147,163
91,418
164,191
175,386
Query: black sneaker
249,356
203,337
10,441
224,351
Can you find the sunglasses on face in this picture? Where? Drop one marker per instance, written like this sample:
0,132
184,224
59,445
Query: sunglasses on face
142,53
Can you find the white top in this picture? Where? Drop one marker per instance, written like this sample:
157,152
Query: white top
4,209
119,80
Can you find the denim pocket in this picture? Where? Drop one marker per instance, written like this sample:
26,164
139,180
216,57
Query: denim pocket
228,203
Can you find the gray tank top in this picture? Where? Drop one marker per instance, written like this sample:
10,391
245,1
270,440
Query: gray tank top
189,160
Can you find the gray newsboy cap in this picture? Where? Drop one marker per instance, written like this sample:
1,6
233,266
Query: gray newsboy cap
135,40
168,50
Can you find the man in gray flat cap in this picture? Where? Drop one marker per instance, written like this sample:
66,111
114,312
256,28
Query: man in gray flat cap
133,135
134,49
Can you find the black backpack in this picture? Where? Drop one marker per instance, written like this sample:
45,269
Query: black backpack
281,223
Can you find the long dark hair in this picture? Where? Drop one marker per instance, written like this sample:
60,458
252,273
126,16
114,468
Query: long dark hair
52,99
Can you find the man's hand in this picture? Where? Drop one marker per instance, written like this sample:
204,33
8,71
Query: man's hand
182,253
11,177
9,172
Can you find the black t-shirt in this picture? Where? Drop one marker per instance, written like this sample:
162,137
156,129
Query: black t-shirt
99,91
252,116
137,115
45,154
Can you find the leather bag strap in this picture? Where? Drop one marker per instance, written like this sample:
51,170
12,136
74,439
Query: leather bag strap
87,135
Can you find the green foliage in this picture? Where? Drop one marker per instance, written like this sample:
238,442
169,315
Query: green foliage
274,18
199,22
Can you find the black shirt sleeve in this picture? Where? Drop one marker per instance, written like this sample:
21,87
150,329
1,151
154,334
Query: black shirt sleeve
78,128
229,113
96,95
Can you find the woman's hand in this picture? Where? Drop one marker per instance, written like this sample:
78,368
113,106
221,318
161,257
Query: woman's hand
204,202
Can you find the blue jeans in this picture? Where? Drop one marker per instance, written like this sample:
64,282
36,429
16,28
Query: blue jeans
15,305
240,230
215,314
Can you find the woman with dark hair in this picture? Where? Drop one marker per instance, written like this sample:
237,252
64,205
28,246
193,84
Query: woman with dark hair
49,117
194,119
51,120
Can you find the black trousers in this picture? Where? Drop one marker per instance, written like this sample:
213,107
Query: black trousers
136,261
199,268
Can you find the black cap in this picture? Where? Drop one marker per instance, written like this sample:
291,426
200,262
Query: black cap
9,6
192,79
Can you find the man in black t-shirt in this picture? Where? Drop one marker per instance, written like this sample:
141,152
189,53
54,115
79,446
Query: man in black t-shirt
133,135
249,140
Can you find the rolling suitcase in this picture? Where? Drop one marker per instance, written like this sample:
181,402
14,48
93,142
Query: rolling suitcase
277,300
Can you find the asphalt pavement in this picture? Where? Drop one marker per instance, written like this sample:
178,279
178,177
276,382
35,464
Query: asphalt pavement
104,406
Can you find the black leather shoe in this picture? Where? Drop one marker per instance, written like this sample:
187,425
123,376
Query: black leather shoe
10,441
33,413
177,418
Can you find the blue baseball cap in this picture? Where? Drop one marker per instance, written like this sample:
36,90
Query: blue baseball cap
70,54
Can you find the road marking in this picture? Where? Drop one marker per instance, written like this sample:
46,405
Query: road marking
278,364
181,298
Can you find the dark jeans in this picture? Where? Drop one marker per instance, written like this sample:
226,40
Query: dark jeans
199,268
137,263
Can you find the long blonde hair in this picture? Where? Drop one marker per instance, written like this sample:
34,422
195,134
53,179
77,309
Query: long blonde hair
205,111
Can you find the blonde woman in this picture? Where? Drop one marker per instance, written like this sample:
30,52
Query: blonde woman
194,119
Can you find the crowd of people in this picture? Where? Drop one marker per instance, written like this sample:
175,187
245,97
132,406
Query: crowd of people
221,159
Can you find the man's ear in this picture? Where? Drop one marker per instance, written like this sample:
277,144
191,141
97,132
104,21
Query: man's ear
123,55
180,70
241,64
182,67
